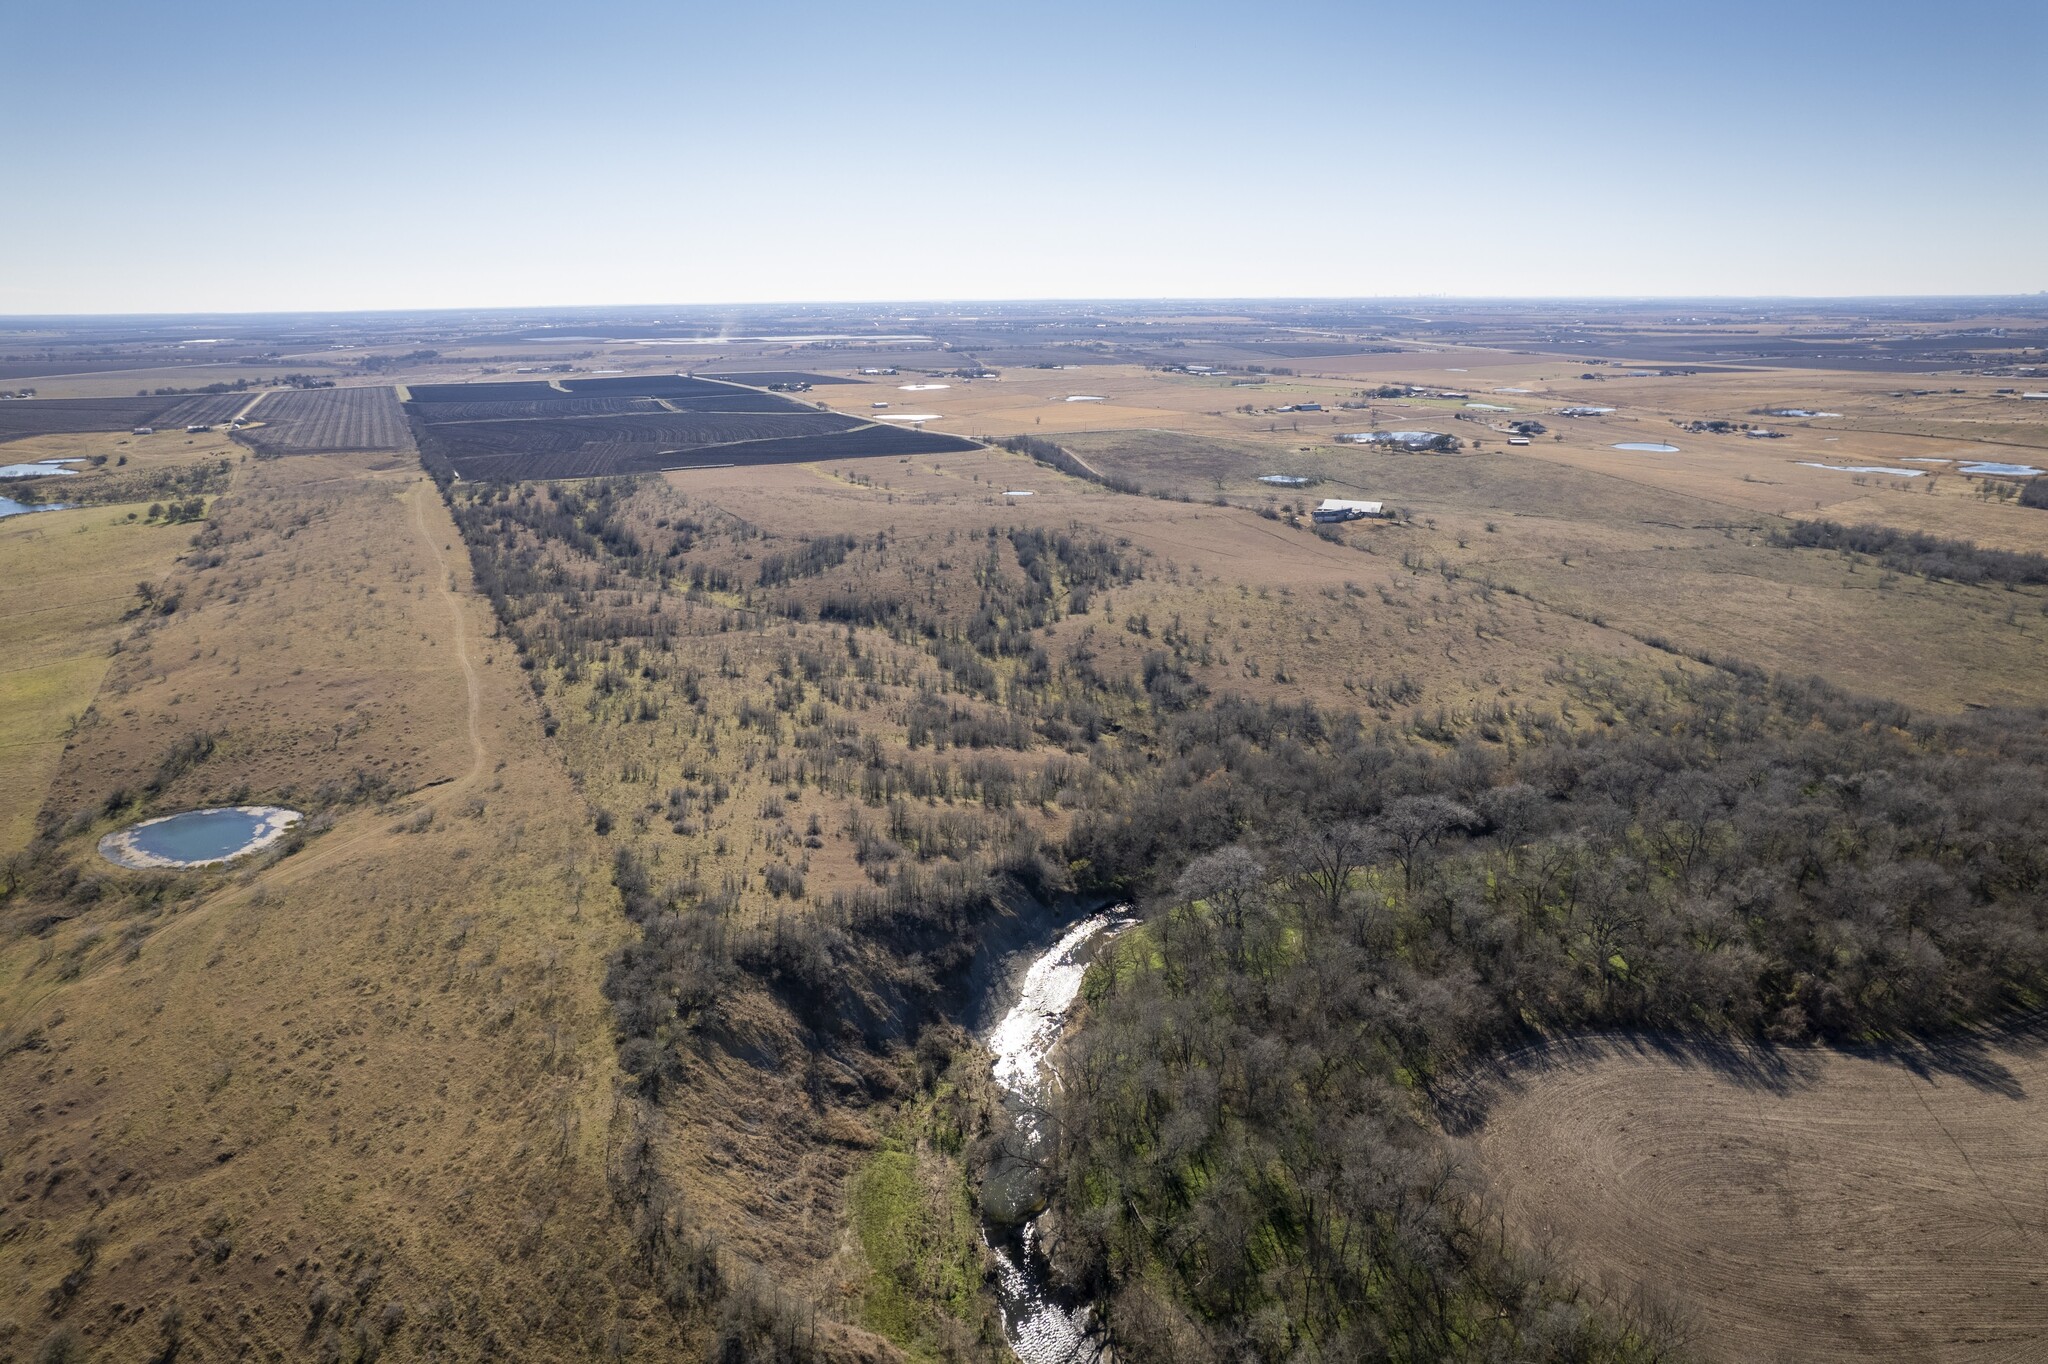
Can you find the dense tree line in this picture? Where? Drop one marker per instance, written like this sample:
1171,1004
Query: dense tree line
1912,551
1338,919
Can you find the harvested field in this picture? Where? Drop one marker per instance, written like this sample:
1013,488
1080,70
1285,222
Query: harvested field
866,442
764,377
202,409
47,416
326,420
1808,1205
733,400
639,424
621,445
529,391
562,405
649,385
667,430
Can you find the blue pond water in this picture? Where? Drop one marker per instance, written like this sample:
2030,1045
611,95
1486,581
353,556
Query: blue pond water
1654,447
44,469
9,507
2011,470
204,835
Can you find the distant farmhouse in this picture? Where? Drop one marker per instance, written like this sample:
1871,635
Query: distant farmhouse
1332,509
1406,440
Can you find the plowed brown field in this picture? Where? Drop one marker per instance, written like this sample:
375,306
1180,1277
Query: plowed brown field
1807,1205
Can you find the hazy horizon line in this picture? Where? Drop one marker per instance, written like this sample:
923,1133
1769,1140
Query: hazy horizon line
1078,300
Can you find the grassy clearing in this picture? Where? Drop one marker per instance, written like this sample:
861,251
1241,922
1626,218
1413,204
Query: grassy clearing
71,583
917,1229
355,1098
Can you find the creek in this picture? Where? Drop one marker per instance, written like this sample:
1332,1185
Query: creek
1041,1324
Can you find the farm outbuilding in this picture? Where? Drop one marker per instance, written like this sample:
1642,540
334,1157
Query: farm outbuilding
1341,509
1413,440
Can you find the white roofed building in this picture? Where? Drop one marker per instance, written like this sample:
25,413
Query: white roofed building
1342,509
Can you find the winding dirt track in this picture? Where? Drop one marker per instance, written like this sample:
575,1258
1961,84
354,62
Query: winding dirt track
459,635
1806,1205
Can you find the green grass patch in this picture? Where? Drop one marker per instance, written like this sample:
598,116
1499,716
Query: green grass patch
917,1228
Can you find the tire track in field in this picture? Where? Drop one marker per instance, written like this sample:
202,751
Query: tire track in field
459,633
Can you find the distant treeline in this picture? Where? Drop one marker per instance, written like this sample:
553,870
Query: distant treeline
241,386
1912,551
1059,457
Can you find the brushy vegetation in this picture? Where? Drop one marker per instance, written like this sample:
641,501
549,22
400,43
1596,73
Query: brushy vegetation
1341,913
1056,456
1339,919
1912,551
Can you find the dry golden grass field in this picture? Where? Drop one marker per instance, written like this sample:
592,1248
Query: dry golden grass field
356,1094
1664,545
1796,1205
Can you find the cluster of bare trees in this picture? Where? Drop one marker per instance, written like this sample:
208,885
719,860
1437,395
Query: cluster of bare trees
1336,920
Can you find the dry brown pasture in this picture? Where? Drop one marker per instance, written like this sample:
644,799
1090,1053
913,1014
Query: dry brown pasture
300,651
1806,1205
1665,546
71,581
361,1092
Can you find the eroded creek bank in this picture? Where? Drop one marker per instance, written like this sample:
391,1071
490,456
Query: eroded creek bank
1022,1025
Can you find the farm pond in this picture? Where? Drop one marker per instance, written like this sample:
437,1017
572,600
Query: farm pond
1651,446
198,838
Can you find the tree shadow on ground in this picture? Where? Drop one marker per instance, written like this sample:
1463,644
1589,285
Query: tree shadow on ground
1977,1057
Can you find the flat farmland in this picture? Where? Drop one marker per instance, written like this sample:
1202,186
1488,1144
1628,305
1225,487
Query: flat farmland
203,409
23,417
764,377
516,409
1815,1206
652,385
621,445
523,390
666,430
329,420
639,424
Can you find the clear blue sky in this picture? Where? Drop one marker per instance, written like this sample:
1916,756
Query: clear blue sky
209,155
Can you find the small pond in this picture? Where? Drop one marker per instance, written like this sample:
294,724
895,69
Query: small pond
1865,469
2004,470
9,507
1651,446
42,468
198,838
